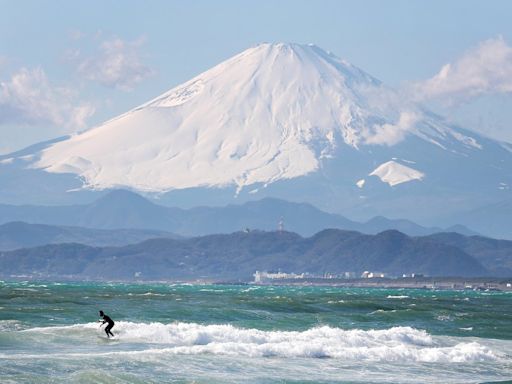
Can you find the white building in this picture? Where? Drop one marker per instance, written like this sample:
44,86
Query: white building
372,275
260,277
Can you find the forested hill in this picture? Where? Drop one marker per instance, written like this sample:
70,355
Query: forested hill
238,255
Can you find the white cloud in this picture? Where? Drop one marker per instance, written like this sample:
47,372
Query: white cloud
391,134
118,64
485,69
28,98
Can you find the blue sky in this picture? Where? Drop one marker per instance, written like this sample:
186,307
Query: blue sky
68,65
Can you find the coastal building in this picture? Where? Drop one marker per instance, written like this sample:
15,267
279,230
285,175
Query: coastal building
413,275
260,277
372,275
264,276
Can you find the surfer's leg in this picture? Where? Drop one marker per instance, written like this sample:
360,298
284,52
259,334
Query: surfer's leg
109,327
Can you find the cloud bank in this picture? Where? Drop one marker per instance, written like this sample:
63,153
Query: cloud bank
28,98
391,134
484,69
117,64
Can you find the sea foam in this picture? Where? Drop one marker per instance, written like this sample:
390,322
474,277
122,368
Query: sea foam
397,344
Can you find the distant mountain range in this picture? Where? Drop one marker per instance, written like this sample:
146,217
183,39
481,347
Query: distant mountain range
17,234
124,209
238,255
493,220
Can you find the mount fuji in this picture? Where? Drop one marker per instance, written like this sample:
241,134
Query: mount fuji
278,120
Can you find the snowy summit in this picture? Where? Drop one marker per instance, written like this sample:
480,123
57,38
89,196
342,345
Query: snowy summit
270,113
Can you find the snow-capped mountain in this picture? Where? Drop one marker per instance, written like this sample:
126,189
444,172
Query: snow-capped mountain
270,113
290,121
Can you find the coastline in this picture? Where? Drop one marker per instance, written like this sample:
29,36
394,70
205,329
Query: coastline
502,284
443,283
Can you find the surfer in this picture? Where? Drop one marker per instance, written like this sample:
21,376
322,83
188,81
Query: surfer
107,319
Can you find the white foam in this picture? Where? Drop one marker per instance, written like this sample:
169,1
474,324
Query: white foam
9,325
397,344
146,294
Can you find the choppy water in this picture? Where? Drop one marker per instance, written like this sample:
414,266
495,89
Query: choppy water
243,334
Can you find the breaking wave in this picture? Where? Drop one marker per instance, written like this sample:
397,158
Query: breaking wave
397,344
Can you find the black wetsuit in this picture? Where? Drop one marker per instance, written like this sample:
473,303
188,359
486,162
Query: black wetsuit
110,322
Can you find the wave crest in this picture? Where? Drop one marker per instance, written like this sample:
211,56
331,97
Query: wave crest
397,344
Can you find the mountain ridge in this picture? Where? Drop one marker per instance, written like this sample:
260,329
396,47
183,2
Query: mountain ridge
240,254
123,209
15,235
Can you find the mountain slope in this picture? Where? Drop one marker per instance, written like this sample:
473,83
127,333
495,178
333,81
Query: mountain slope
490,220
495,255
15,235
124,209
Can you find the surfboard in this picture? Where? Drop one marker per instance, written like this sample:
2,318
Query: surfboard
104,337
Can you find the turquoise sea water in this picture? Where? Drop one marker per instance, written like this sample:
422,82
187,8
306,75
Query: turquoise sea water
249,334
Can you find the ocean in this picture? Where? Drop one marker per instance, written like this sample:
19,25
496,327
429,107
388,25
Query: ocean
182,333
